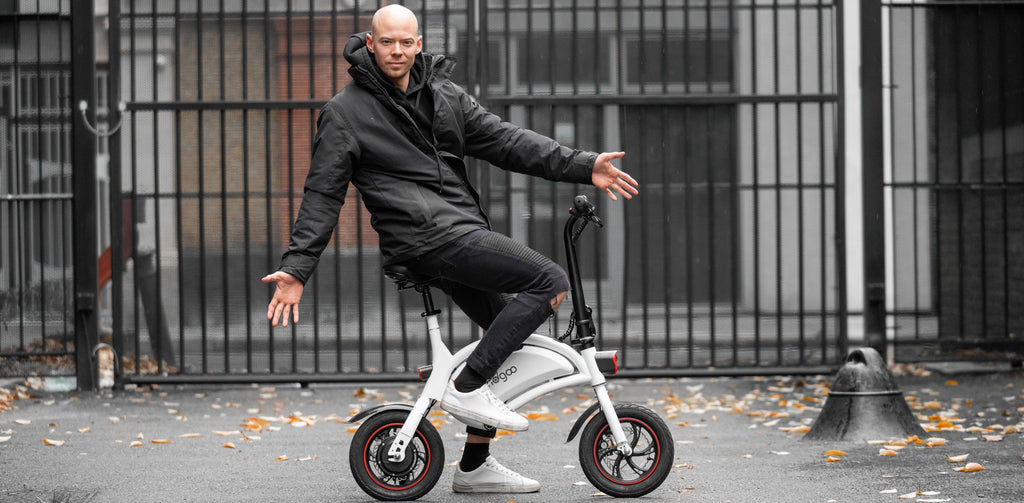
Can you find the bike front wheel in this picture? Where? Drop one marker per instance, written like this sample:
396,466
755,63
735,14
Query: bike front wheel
385,480
637,474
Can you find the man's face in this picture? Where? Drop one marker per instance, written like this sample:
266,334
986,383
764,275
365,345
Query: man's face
395,44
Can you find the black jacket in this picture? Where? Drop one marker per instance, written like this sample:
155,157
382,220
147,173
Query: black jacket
414,186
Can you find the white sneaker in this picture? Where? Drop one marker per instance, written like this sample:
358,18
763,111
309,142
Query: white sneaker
492,477
482,406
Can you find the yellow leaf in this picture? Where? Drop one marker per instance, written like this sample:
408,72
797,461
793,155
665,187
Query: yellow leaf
992,438
438,413
229,445
797,429
135,443
351,430
190,435
438,422
4,439
55,443
225,433
22,422
283,458
908,496
832,459
84,430
834,452
160,441
542,416
952,383
970,467
505,432
886,452
935,441
957,459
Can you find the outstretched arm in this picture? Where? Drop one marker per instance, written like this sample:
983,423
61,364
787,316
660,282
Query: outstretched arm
611,179
287,293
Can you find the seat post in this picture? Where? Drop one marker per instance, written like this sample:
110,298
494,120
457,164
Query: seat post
428,301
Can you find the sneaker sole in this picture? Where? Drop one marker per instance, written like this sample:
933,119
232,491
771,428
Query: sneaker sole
473,416
493,488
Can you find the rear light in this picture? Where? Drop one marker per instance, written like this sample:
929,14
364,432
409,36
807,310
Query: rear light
607,362
424,372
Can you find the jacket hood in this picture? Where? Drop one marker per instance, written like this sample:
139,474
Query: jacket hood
363,62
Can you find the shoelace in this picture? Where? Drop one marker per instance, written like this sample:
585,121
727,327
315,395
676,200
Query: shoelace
495,401
498,467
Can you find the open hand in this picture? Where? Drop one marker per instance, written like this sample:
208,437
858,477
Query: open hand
611,179
287,293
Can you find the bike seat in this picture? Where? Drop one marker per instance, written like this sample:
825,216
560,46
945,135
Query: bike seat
406,278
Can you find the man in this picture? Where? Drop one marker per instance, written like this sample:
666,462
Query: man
399,133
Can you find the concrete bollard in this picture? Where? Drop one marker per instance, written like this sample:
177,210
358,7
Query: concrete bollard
864,403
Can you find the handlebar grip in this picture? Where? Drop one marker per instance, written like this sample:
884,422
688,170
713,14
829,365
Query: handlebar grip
582,205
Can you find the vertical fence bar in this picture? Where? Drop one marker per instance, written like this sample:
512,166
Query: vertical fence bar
83,78
114,198
872,174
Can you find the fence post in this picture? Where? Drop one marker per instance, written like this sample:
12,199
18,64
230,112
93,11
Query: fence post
83,77
872,173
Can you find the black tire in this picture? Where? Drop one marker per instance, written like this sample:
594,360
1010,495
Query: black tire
627,476
387,481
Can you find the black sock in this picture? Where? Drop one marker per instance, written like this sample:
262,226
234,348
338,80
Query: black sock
468,380
474,455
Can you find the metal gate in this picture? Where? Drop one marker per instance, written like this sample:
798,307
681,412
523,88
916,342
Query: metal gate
731,260
955,179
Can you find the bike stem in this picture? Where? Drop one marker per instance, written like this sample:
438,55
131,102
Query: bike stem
581,210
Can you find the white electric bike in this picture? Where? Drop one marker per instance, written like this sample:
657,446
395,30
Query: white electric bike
625,450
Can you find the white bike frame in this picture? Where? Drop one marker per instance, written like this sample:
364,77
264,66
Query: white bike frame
541,366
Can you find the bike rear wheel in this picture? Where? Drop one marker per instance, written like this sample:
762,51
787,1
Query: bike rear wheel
616,474
385,480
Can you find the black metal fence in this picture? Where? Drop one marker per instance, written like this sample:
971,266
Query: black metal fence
36,301
730,261
955,178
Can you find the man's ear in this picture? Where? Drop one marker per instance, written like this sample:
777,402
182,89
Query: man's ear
369,42
419,44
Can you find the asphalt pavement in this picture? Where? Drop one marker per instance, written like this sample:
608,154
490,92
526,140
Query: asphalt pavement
736,440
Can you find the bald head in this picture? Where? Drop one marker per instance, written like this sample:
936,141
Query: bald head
394,15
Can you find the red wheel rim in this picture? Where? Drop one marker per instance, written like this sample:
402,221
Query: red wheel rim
370,472
657,451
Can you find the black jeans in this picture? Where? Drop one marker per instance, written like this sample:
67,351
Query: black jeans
478,270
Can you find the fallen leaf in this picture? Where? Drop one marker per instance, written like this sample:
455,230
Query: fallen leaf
887,491
952,383
438,422
886,452
160,441
225,433
970,467
908,496
803,428
832,459
4,439
835,453
542,416
935,442
957,459
55,443
992,438
283,458
22,422
135,443
229,445
190,435
351,430
307,458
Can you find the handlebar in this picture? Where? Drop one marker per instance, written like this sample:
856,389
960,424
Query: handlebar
583,208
